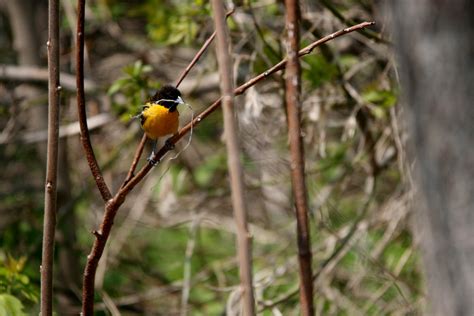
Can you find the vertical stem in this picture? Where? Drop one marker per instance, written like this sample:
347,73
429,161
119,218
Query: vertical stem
293,87
49,223
233,154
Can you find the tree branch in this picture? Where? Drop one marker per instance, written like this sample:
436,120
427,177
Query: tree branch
39,74
293,88
199,53
50,198
239,206
81,106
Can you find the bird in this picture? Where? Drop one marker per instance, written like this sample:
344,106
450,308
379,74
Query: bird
160,117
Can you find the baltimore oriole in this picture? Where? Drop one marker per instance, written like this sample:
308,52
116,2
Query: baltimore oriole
160,116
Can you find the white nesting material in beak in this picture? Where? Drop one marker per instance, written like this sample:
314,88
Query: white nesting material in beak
179,100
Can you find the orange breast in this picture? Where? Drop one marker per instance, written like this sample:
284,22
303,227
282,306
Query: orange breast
159,122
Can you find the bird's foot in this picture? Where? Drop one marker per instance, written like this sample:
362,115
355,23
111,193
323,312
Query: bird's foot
151,159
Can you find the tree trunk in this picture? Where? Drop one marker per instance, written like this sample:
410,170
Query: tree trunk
434,42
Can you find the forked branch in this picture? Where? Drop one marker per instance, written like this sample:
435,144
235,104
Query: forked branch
113,204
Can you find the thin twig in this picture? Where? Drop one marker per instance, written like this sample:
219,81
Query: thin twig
50,198
81,106
293,88
199,53
367,33
244,242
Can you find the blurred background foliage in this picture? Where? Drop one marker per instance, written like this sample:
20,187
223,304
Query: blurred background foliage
172,248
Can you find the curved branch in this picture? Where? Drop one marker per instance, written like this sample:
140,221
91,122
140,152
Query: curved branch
81,106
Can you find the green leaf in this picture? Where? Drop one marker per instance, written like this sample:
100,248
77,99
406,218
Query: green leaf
10,306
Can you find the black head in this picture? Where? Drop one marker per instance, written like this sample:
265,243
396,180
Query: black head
168,96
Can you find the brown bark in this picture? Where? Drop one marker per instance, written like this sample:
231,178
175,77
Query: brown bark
50,206
293,105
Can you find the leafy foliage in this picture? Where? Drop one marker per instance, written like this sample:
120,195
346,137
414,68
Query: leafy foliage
15,283
10,306
135,87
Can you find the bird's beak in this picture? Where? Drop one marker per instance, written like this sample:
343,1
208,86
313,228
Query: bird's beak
179,100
